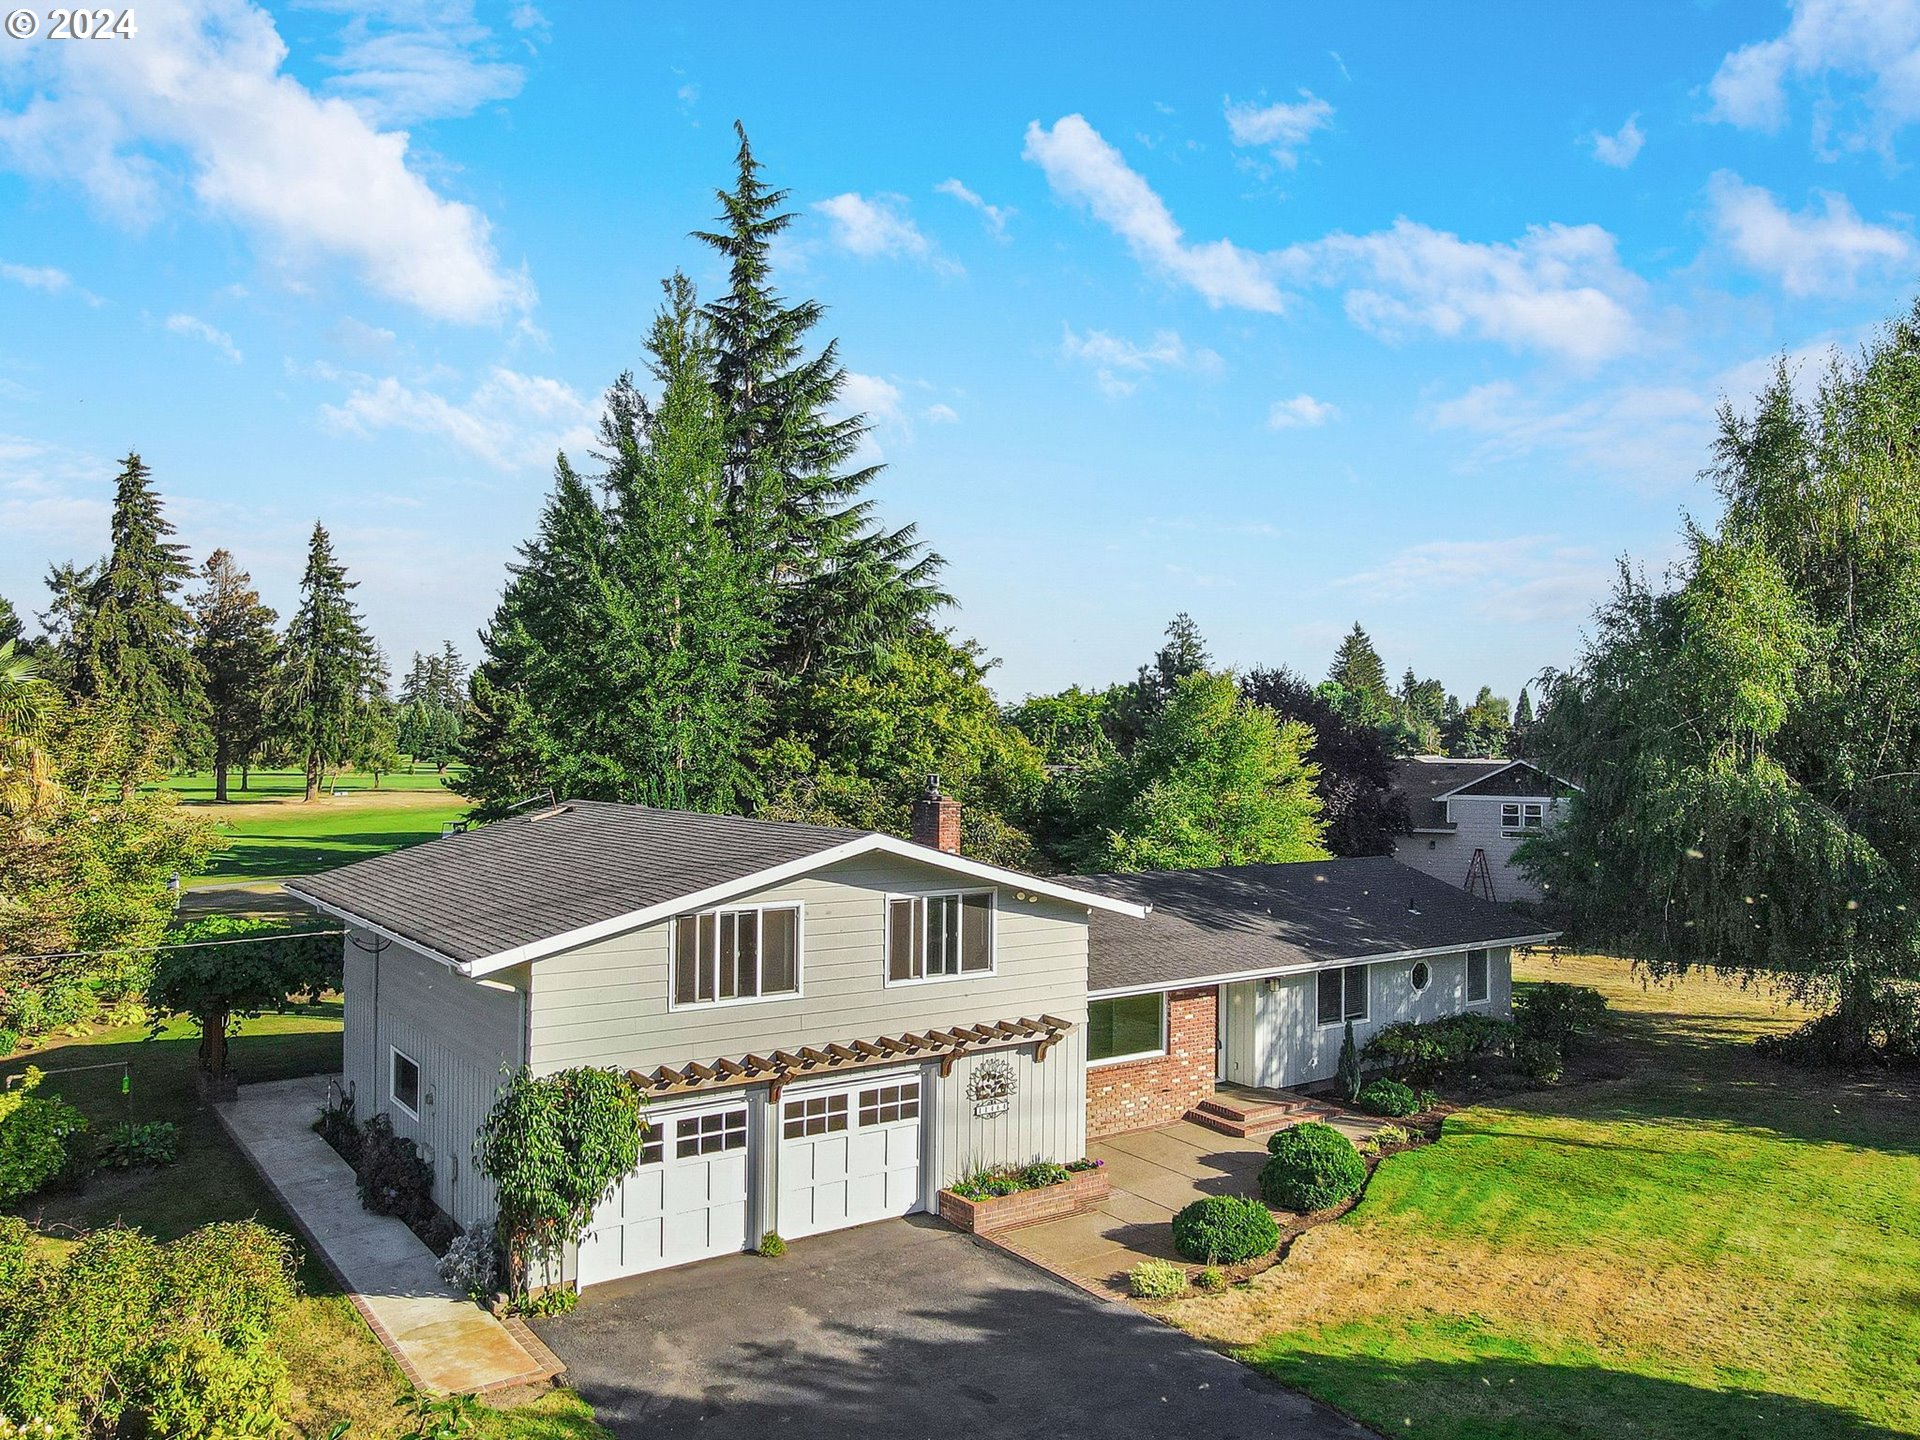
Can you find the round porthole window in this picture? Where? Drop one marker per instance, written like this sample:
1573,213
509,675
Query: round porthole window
1421,975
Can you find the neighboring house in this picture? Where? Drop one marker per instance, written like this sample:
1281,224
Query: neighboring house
1248,974
1467,808
829,1025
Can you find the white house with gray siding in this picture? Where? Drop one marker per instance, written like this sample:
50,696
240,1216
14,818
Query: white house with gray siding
1463,809
830,1025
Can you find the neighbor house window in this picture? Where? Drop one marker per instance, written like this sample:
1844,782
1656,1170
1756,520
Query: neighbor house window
1343,994
736,954
406,1084
1477,977
1519,816
932,936
1127,1027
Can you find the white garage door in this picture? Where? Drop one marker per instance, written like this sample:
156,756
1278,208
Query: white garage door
686,1200
849,1155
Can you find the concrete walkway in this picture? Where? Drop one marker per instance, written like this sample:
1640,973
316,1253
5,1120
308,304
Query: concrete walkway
442,1340
1154,1174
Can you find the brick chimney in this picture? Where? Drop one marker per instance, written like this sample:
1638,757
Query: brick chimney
936,819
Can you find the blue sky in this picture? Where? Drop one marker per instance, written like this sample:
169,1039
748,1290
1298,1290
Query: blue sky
1279,315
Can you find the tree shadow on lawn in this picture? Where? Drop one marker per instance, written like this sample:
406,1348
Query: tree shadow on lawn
1687,1069
280,857
1507,1399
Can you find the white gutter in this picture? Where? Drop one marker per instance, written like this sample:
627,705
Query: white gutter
1275,972
461,967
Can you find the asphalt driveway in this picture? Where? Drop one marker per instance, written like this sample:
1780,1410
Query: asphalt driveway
903,1329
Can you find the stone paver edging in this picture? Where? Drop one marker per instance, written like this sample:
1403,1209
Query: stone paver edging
441,1340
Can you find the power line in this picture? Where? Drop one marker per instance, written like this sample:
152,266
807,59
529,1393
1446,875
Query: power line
178,945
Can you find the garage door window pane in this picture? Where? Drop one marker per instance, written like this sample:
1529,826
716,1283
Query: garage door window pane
885,1104
1130,1025
710,1134
815,1115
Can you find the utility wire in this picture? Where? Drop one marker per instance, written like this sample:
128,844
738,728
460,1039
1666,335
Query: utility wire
178,945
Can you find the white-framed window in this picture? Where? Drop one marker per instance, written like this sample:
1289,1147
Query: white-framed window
1519,817
1479,980
889,1104
937,937
709,1134
1127,1027
403,1084
813,1115
1343,994
749,952
1421,975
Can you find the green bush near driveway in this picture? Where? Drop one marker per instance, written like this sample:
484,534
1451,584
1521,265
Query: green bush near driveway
1225,1230
1388,1097
1310,1167
1156,1280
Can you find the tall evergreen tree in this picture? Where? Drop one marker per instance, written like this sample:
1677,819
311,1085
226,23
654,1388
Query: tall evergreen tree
1134,706
236,648
841,584
327,660
1358,671
132,639
10,626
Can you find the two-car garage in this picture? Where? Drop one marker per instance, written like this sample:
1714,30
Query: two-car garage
843,1154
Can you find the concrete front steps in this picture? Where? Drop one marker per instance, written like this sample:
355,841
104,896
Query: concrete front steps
1252,1114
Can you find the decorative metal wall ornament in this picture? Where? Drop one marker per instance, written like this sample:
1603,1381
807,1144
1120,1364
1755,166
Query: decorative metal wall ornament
991,1087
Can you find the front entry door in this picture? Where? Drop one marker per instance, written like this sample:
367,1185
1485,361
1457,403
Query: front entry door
1239,1032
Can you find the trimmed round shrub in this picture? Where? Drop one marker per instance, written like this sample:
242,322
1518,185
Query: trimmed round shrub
1310,1167
1388,1097
1224,1230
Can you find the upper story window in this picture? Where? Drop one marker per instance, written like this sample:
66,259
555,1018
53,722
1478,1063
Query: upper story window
739,954
1343,994
934,937
1517,817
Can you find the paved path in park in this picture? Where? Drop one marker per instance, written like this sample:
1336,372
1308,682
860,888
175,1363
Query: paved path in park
442,1340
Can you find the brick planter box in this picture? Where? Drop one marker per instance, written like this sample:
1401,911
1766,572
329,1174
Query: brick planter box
1084,1190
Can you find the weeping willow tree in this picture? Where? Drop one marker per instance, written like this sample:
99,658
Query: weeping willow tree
1748,731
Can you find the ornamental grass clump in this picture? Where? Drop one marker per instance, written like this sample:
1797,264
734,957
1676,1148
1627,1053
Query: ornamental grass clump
555,1145
1225,1230
1311,1167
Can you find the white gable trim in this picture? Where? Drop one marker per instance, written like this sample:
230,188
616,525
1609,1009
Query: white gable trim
716,894
1510,765
347,917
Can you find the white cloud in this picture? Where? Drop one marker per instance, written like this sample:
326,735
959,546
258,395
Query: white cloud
996,216
1809,252
1282,128
36,277
1652,436
200,105
1120,364
1620,149
1873,43
1524,578
402,61
195,328
1302,412
939,414
511,421
873,396
1082,167
1558,288
874,229
63,497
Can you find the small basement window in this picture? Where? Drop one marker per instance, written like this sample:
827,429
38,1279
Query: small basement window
1478,980
405,1089
932,937
1127,1028
1343,994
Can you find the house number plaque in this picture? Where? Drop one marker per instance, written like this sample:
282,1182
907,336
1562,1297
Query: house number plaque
991,1088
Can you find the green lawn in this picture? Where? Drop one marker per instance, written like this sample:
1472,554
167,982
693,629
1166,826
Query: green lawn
339,1370
1712,1246
273,833
196,786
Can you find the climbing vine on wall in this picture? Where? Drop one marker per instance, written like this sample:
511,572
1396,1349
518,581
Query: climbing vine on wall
554,1145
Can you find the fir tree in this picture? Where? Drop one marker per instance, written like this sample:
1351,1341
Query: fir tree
10,626
236,649
132,640
1358,671
841,584
328,658
1135,706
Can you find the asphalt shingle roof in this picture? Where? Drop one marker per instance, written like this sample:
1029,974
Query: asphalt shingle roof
527,879
1423,781
1240,918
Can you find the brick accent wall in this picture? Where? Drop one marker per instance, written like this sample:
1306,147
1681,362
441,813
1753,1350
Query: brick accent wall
1139,1094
